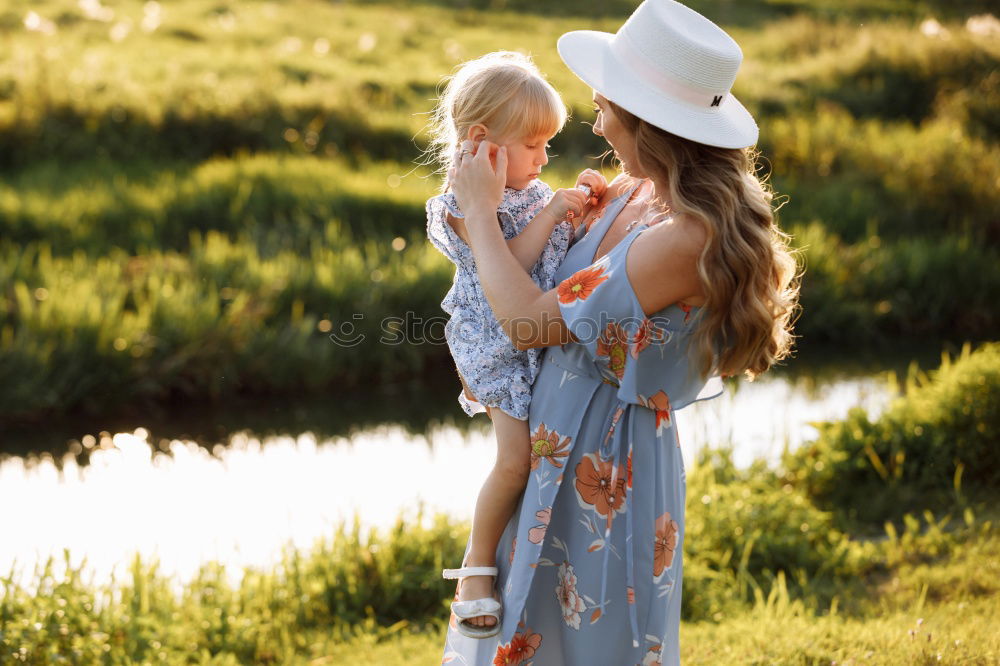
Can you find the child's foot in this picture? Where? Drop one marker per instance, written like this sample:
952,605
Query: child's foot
478,587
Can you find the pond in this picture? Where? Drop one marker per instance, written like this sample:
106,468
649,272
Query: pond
241,496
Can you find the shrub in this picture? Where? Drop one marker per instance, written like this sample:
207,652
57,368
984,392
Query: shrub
881,290
936,441
744,528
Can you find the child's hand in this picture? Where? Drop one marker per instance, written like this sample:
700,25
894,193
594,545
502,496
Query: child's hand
566,204
597,183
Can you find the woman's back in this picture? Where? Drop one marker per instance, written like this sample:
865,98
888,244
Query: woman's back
641,355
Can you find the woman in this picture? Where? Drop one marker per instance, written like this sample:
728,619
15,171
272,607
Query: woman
680,276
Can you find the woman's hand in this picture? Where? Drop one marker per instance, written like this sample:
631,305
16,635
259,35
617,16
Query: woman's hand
477,184
597,183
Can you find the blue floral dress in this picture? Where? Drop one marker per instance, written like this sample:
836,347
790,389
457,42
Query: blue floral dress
590,563
497,374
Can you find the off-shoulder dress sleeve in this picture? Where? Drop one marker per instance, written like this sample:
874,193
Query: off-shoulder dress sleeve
650,359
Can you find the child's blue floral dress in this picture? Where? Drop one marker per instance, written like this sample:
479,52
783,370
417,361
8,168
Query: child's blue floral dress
497,374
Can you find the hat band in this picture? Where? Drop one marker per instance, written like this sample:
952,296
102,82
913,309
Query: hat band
631,57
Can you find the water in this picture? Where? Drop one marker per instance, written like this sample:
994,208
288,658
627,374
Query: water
238,505
244,498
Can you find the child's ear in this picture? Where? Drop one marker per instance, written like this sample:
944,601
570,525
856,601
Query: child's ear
477,133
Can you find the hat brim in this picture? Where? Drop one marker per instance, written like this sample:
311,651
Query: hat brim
588,54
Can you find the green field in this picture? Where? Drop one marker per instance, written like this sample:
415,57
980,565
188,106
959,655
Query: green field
194,195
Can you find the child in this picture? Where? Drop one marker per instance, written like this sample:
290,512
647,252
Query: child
500,97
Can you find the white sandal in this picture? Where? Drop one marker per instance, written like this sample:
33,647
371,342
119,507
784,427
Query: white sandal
465,610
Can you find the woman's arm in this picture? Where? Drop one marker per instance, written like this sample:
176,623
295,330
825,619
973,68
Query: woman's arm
660,266
529,316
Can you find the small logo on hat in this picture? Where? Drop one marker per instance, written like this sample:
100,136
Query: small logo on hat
717,100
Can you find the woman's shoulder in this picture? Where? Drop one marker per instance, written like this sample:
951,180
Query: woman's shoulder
662,263
678,233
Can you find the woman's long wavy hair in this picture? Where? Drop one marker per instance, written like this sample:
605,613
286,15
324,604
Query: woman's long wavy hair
748,273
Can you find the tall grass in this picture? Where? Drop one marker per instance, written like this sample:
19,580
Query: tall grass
878,291
222,317
275,137
936,444
281,201
271,616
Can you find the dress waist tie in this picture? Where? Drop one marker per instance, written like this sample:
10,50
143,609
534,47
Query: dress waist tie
622,414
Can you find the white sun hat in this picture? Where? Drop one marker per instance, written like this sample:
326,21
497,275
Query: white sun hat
670,66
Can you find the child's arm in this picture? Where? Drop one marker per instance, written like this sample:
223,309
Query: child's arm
527,245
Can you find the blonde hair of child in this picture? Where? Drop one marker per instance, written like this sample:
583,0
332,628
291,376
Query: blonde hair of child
503,91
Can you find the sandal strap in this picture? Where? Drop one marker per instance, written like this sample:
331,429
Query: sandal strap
469,571
476,607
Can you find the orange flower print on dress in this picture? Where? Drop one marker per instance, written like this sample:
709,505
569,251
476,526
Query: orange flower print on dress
653,657
513,547
521,648
537,533
628,467
659,402
646,335
580,285
664,544
570,600
687,311
613,345
546,444
594,486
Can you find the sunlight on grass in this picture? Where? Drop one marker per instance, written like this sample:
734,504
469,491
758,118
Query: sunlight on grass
196,194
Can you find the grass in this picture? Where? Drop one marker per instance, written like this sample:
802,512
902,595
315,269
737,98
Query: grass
193,198
775,572
931,597
931,445
190,157
956,632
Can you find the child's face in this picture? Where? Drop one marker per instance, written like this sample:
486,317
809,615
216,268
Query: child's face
525,158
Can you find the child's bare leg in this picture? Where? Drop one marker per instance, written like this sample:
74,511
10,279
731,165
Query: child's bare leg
496,503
